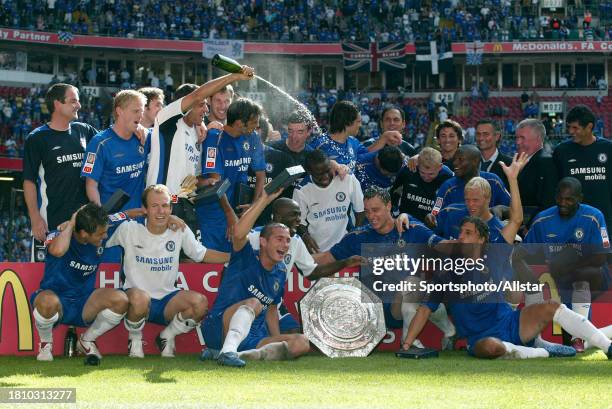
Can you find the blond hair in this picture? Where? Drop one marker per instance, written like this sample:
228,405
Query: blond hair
125,98
159,188
430,157
479,184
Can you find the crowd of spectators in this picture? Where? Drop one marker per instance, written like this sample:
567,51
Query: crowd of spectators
17,247
22,110
310,20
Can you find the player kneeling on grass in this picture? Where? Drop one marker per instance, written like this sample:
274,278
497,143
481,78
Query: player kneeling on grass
492,328
150,264
244,316
67,293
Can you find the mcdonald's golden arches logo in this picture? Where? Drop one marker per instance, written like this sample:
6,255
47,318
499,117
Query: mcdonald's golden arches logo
497,47
22,307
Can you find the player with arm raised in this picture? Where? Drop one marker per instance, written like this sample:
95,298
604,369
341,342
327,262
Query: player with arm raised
67,293
243,323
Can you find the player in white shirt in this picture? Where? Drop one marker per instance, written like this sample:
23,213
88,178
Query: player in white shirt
150,264
326,202
287,212
176,139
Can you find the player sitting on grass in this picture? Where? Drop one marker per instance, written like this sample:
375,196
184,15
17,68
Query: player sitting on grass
492,328
244,316
150,264
67,293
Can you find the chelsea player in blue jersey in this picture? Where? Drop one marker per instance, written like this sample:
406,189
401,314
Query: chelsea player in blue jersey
466,164
492,328
574,239
244,316
341,145
67,291
477,197
228,154
377,204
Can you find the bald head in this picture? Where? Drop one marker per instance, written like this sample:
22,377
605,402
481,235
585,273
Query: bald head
570,184
286,211
467,161
282,204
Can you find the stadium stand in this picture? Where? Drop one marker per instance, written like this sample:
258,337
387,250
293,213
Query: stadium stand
311,21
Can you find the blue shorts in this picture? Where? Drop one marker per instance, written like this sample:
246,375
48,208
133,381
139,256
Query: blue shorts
506,329
390,321
156,311
286,321
212,331
72,307
214,238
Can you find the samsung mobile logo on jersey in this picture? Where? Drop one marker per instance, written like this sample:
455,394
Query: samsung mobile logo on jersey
85,268
129,168
264,299
69,158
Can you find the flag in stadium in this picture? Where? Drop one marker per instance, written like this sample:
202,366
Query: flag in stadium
374,57
65,36
429,58
474,53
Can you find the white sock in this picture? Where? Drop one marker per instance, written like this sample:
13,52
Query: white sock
534,298
537,298
239,328
105,321
134,328
177,326
45,326
522,352
440,318
607,331
580,327
275,351
408,312
581,298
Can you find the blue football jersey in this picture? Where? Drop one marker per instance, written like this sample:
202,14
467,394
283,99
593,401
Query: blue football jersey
75,272
474,312
449,223
348,153
586,227
350,245
452,191
116,163
369,175
245,277
231,158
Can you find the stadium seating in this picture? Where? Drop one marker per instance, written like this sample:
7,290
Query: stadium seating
304,21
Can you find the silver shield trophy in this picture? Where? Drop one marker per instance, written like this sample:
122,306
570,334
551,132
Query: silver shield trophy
342,317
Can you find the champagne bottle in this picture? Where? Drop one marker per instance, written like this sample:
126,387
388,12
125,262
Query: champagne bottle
70,342
226,64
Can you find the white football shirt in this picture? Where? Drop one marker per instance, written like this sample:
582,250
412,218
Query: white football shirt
325,210
151,261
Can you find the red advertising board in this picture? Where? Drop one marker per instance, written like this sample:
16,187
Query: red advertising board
9,34
18,335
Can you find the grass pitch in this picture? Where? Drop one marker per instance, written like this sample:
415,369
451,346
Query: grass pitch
379,381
